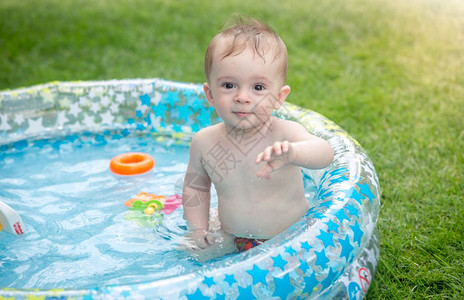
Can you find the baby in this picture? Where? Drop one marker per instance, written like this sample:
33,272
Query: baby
252,158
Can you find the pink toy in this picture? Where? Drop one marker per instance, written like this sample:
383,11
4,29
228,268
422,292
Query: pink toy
172,203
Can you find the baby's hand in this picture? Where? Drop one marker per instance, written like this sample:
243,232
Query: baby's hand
275,156
223,244
200,239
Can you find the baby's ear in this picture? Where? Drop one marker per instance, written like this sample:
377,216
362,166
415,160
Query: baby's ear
283,93
208,93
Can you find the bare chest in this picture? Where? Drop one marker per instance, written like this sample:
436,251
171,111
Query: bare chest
231,159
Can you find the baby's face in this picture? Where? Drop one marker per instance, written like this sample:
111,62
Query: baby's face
245,89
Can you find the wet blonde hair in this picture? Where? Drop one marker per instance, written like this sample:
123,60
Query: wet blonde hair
247,33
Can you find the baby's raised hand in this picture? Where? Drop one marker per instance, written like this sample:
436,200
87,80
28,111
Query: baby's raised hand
275,156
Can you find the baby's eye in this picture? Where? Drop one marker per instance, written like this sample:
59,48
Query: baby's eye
259,87
228,85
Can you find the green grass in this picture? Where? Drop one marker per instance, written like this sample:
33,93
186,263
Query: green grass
390,72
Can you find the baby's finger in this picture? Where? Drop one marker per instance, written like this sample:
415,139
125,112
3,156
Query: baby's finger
268,153
259,158
285,146
277,148
188,244
192,247
202,242
264,172
210,239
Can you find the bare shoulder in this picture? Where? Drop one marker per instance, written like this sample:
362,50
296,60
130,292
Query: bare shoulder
289,124
291,130
201,142
205,137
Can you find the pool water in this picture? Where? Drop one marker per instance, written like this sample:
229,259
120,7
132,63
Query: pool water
79,234
78,231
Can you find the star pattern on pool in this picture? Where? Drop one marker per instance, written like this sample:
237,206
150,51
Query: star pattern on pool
283,287
279,262
326,238
258,275
208,281
347,248
154,105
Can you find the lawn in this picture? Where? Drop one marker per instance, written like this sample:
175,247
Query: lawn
389,72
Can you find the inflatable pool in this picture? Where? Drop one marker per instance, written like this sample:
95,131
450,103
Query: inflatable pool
331,253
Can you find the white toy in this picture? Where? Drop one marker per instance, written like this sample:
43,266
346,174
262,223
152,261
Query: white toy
10,221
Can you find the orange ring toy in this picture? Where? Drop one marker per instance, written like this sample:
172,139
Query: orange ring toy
132,163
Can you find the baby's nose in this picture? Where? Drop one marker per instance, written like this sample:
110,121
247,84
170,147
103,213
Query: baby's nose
242,97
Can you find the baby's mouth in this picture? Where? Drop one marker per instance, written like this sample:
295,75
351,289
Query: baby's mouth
242,114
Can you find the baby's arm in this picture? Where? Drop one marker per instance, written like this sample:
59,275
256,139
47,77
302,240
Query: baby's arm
196,197
300,148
